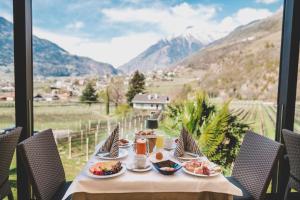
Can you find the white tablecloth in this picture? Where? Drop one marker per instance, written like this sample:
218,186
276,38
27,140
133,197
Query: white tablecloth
151,181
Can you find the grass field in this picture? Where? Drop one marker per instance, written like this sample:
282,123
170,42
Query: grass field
261,117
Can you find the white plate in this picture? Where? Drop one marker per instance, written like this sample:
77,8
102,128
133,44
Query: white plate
122,171
122,154
200,175
189,156
132,168
169,149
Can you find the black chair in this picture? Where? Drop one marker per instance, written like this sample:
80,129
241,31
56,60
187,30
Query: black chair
44,166
8,143
254,165
292,144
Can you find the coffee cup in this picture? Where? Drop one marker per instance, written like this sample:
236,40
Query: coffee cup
140,161
168,143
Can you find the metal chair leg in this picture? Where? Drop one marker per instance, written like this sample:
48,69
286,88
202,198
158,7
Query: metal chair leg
287,191
10,195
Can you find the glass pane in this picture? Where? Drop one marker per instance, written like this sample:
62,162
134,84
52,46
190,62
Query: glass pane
297,107
86,58
7,88
7,84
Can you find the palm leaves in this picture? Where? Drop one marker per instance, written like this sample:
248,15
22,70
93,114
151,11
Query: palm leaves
217,130
213,131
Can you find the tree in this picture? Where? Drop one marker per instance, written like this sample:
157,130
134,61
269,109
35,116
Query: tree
105,97
89,94
136,86
116,91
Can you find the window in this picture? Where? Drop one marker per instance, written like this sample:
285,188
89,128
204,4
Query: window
84,68
7,89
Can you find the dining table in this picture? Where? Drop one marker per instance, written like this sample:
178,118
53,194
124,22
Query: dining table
149,185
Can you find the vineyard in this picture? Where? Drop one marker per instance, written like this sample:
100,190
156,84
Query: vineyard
261,116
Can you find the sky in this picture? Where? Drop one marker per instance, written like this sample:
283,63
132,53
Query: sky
115,31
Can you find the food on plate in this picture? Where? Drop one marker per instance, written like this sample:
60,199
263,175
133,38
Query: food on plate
168,169
145,132
201,167
123,142
106,168
159,156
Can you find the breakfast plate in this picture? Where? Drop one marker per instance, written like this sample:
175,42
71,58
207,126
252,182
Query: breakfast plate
201,168
105,156
106,169
131,167
200,175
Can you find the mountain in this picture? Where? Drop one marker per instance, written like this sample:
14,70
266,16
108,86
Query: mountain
49,59
163,53
244,64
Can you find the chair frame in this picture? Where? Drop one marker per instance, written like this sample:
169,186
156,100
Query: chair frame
294,182
11,139
242,164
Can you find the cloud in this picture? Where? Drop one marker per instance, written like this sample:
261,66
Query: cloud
242,17
174,20
266,1
116,51
75,25
157,22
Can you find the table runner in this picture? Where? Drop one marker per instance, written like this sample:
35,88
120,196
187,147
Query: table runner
149,182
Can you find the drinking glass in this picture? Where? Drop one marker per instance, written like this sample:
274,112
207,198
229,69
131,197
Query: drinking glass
160,141
141,146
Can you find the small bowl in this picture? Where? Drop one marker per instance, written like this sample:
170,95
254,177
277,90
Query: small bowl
167,163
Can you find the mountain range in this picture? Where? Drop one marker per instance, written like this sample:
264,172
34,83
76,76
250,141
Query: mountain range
49,59
164,53
244,64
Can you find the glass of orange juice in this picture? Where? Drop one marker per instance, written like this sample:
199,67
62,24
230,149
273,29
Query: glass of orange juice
160,141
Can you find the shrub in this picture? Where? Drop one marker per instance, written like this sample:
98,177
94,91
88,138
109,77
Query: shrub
217,130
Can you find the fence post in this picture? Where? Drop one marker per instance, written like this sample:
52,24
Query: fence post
70,146
125,124
130,119
96,136
81,139
90,126
108,127
87,149
122,132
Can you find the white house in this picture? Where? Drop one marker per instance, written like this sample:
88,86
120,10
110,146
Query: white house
150,101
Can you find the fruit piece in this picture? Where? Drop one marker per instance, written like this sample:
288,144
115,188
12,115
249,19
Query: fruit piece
190,168
159,156
199,170
206,171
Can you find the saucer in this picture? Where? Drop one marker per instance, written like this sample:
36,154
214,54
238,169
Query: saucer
131,167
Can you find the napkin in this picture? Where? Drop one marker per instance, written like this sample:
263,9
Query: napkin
111,145
186,143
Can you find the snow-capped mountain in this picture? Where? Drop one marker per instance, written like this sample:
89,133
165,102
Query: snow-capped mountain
165,52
